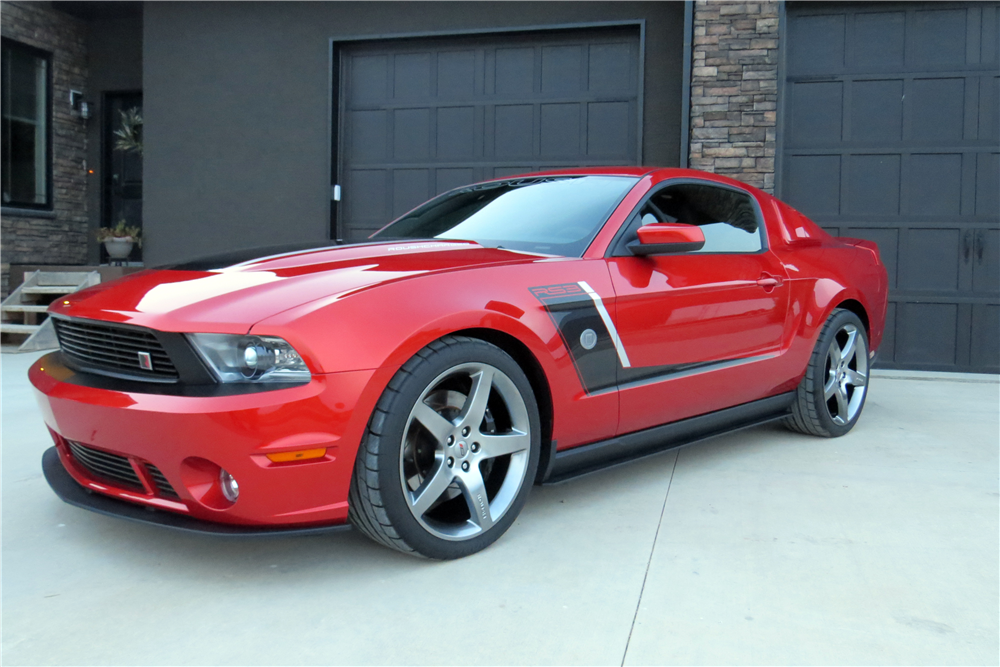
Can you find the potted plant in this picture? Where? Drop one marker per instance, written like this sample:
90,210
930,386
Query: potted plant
118,240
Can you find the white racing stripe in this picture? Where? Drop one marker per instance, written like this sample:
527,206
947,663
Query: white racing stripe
607,322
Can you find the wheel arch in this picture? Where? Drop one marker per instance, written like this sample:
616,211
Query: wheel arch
855,306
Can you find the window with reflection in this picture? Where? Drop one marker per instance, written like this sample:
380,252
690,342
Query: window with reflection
26,74
727,218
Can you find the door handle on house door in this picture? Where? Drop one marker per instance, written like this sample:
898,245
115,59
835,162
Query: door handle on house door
966,245
980,242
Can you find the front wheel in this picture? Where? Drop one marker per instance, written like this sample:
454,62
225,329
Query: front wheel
830,398
450,452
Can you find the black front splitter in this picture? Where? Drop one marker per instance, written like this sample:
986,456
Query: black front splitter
71,492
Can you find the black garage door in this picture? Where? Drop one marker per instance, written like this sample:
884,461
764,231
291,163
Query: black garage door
419,117
890,133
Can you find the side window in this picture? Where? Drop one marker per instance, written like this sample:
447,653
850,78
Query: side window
726,217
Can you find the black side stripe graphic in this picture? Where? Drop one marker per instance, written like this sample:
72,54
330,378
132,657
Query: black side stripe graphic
574,312
603,364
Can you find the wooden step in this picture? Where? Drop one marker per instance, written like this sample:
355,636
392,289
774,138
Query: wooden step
49,289
23,308
7,327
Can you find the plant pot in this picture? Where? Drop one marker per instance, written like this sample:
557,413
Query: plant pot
119,248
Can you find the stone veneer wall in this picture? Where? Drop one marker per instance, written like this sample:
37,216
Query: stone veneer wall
62,239
734,90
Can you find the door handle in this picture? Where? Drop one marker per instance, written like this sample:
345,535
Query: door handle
966,245
980,242
768,282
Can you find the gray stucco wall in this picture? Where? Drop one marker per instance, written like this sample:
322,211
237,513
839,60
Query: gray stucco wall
236,107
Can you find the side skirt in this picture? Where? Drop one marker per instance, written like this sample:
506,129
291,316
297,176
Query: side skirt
585,459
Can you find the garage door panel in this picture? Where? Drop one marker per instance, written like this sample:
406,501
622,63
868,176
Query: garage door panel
931,260
369,79
926,334
456,74
915,167
985,331
816,44
816,112
879,39
990,35
369,132
612,68
987,184
562,69
934,185
456,131
514,72
872,185
986,262
989,101
887,351
411,135
936,38
812,183
560,131
514,132
936,110
411,76
877,110
608,129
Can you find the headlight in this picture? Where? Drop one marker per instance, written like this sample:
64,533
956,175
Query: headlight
235,358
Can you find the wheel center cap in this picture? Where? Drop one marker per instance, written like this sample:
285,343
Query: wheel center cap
461,449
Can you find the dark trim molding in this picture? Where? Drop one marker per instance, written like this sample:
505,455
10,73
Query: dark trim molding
686,83
585,459
27,212
779,119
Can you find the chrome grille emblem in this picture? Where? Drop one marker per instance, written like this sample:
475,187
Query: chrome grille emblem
145,361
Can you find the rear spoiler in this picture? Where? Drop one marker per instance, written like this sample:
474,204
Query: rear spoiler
870,246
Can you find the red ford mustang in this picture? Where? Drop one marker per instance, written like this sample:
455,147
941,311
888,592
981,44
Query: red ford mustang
513,332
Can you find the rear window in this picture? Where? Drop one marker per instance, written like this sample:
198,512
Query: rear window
558,215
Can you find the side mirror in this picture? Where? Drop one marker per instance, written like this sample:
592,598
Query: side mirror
663,238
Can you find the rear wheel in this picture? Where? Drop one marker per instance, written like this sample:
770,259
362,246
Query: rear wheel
832,394
450,452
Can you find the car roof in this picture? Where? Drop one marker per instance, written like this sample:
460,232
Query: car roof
657,174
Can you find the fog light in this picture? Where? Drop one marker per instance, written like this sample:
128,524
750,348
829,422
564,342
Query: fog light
230,489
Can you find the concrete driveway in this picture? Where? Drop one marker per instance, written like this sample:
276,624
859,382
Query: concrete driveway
763,547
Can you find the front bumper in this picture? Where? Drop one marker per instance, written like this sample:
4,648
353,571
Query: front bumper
69,491
185,436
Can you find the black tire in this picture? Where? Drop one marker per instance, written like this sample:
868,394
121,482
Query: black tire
401,459
815,410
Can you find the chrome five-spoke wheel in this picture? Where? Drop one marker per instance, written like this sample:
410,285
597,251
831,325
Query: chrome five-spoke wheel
450,453
465,451
832,394
846,374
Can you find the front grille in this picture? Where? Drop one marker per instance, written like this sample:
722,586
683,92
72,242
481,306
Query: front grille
114,350
162,485
109,467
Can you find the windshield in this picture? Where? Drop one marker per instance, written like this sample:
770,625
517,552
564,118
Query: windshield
554,215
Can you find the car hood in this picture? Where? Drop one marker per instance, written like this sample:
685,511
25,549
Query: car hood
229,296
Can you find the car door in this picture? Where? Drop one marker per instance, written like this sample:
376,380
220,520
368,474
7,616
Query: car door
697,329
